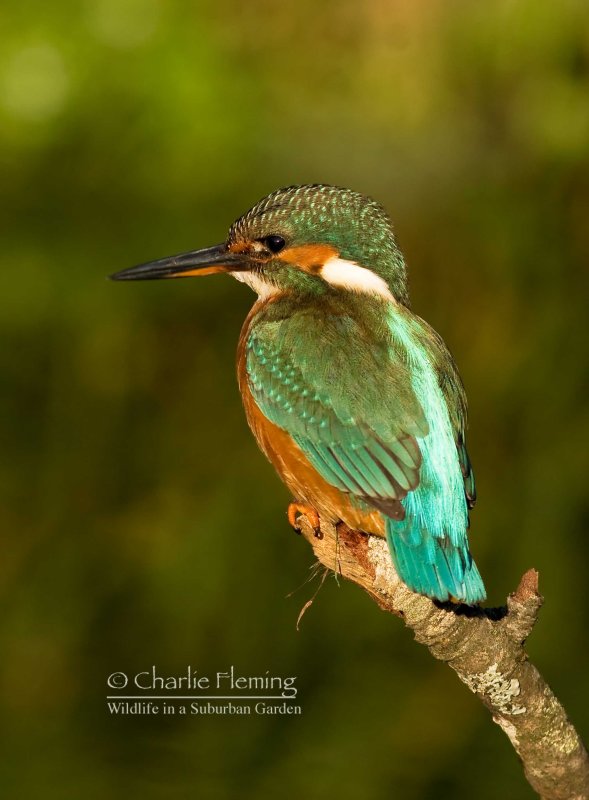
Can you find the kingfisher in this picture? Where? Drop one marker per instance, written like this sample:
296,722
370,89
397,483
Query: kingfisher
354,399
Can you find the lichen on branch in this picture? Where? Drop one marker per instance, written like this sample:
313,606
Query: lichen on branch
485,647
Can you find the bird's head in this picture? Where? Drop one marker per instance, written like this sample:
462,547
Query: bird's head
308,239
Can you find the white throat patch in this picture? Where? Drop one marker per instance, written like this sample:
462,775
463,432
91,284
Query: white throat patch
261,287
351,276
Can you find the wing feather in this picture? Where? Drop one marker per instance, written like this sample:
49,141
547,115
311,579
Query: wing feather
355,418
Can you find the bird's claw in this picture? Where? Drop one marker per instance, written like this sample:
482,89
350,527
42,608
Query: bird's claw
298,509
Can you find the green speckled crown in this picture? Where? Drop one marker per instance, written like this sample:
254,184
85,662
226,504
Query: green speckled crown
358,227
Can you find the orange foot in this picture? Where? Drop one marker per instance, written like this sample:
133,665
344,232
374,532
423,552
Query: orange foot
294,509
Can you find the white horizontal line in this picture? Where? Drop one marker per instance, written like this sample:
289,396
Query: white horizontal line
194,697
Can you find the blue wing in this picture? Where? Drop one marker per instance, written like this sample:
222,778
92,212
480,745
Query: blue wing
359,435
351,405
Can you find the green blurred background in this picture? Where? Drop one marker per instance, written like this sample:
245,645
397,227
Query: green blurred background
139,523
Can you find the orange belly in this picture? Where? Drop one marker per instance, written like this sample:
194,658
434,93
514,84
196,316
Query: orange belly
299,475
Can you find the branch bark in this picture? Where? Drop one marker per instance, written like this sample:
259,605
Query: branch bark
485,647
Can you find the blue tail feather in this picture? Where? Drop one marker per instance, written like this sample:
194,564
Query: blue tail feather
433,565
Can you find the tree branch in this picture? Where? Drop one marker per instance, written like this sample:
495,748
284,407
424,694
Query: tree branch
485,647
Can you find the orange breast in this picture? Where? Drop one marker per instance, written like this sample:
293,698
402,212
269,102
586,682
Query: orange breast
299,475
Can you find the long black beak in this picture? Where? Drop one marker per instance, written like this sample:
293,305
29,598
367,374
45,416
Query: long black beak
208,261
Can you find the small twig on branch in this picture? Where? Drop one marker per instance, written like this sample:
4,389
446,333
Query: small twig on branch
485,647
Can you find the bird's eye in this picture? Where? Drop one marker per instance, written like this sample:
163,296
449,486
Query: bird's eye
274,243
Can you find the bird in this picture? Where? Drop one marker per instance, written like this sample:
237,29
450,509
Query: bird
354,399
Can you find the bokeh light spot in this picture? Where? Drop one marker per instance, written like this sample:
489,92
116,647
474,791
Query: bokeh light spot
35,83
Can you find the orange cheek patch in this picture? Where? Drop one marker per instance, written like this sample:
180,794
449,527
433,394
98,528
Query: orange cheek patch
310,257
241,247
